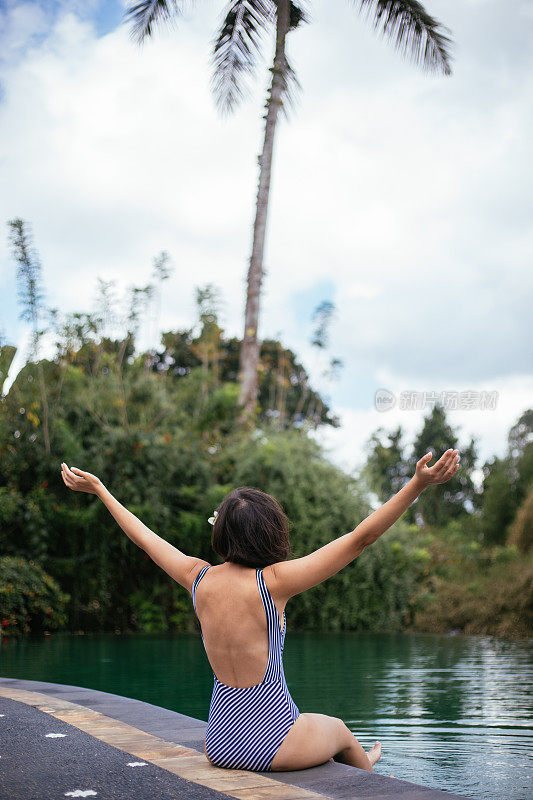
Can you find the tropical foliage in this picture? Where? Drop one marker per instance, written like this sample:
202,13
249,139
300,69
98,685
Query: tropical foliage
30,600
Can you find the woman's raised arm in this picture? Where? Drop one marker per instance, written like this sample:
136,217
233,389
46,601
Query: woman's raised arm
179,566
299,574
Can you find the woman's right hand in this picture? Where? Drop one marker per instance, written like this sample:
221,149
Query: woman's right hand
80,481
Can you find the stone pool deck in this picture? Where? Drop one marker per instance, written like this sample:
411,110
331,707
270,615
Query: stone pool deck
68,741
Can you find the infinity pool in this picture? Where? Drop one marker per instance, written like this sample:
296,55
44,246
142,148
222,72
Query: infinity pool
451,712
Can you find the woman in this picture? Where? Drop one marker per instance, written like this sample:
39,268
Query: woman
253,721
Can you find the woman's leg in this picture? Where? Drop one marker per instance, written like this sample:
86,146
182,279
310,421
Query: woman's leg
357,757
316,738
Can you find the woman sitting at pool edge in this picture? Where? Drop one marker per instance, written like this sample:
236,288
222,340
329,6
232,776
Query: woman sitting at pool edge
253,721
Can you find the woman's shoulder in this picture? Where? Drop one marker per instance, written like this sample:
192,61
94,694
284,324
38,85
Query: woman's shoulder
196,570
271,578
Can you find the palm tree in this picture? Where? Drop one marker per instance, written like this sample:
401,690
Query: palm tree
236,49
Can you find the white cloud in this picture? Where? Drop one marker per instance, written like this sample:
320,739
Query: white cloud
19,24
489,427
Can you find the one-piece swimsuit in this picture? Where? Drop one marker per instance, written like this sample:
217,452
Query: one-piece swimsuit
246,726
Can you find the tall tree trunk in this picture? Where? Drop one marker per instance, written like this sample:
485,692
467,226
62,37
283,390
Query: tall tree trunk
44,402
118,367
249,356
282,361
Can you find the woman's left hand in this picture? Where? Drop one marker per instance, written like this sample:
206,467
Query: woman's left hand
80,481
442,471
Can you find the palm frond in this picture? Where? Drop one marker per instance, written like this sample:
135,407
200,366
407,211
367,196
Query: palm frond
236,48
297,15
145,14
413,31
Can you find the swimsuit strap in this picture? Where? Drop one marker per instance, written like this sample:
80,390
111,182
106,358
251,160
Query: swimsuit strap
193,591
274,631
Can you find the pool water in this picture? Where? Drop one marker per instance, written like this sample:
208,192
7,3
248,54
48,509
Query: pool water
451,712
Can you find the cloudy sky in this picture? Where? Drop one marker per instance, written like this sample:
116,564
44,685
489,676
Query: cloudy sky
403,197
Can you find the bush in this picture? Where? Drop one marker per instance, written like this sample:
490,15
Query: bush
147,613
496,601
30,600
521,531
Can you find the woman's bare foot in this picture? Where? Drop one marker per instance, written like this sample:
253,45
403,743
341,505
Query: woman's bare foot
374,754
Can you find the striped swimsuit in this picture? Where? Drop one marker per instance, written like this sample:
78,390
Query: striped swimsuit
247,725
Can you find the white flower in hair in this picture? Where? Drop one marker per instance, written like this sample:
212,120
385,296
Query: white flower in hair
212,519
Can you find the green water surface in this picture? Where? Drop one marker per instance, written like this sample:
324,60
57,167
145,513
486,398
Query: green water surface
451,712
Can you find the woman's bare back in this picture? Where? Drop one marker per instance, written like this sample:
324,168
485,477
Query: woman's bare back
234,627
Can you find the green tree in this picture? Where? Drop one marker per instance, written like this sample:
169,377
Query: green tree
387,469
499,502
507,483
455,498
284,384
236,51
207,346
322,318
521,531
520,448
32,297
30,600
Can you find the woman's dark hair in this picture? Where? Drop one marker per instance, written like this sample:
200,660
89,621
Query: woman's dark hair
251,529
